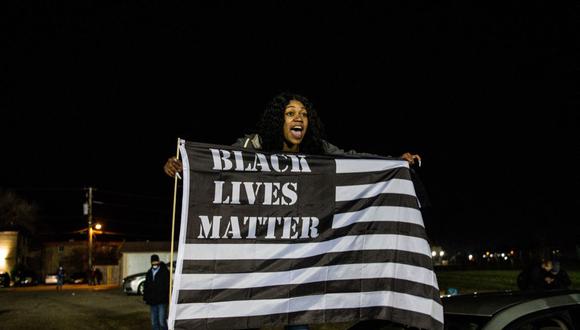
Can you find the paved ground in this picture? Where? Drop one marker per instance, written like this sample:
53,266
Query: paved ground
81,307
76,307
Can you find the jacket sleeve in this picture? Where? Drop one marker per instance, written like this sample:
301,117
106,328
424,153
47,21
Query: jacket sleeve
166,284
146,287
250,141
331,149
564,279
240,142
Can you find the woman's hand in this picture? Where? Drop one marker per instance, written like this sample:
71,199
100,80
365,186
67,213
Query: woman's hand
172,166
411,158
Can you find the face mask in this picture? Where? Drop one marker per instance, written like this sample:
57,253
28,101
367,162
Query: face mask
155,266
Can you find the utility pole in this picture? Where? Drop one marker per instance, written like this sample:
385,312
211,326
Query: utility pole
90,219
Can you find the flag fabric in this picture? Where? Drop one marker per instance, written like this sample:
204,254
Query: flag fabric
277,239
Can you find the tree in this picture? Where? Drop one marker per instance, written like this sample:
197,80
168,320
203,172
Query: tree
16,212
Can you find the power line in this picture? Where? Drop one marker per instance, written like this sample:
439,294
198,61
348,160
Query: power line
129,206
83,189
129,194
47,189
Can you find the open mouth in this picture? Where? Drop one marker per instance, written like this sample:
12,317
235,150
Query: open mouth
297,131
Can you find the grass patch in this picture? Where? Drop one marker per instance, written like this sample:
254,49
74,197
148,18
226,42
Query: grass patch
468,281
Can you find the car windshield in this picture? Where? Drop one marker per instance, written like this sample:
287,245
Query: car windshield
464,322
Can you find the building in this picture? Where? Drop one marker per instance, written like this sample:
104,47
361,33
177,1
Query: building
16,250
135,256
73,256
8,250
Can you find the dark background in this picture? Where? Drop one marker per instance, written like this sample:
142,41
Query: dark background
96,94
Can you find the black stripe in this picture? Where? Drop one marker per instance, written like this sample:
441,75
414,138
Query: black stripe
376,228
347,179
308,289
400,316
361,228
328,259
379,200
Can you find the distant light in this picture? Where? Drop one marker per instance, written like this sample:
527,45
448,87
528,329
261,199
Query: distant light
3,257
470,257
8,244
505,258
503,255
98,226
487,253
484,256
512,252
442,253
433,253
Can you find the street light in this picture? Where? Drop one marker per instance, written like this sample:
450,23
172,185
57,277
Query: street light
92,231
88,211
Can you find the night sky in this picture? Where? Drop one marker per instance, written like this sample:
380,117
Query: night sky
96,94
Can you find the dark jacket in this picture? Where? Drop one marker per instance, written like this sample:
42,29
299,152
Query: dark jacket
254,142
538,277
561,280
156,290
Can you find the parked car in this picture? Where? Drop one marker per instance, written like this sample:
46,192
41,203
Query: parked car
135,284
513,310
77,278
4,280
25,278
50,279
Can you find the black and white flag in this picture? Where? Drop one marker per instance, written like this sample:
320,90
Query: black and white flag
276,239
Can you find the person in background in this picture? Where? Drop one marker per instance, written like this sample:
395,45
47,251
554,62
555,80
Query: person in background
93,275
98,276
541,277
59,278
156,293
559,277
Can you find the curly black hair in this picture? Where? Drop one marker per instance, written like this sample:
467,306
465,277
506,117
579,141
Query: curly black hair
271,125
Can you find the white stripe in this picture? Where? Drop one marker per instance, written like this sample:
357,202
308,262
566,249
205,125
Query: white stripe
367,165
378,213
311,303
305,250
308,275
184,211
393,186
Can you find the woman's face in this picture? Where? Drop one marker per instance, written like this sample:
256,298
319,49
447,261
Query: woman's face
295,125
